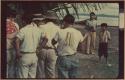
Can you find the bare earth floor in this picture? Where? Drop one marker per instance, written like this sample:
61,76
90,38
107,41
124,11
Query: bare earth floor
90,67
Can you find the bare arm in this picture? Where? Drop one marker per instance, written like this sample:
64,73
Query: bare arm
18,55
85,37
109,36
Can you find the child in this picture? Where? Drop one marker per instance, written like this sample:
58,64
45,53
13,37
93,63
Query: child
104,37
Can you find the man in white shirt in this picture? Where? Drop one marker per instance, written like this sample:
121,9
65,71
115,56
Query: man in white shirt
68,39
12,29
47,56
26,45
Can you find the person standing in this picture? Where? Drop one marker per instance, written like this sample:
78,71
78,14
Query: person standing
91,25
26,44
47,55
104,38
12,29
68,39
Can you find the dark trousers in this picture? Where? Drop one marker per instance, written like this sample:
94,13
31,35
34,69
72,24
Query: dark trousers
103,49
67,66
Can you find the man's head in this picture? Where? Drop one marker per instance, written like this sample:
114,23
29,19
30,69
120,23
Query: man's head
104,26
50,16
68,20
11,14
38,19
93,16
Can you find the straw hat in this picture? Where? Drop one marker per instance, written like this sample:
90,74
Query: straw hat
38,16
50,15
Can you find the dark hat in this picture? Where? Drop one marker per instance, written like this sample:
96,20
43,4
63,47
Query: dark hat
50,15
104,24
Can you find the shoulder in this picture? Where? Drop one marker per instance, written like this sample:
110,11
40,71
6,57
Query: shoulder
57,28
61,30
24,28
87,20
54,25
76,31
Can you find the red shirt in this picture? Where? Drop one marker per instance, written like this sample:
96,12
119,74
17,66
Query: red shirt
11,27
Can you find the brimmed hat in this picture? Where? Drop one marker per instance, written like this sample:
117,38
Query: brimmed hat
50,15
38,16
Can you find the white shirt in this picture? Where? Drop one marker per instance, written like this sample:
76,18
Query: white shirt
49,30
91,23
30,37
68,40
104,36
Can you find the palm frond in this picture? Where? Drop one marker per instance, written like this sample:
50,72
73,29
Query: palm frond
83,7
66,8
87,5
75,9
99,6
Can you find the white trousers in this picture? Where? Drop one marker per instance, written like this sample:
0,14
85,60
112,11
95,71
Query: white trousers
46,63
27,66
91,42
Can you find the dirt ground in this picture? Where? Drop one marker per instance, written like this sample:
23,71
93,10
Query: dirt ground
90,67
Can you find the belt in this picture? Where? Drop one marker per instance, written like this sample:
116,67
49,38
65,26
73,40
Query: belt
27,52
68,55
46,47
93,31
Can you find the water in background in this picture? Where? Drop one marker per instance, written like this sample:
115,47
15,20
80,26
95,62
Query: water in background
109,14
110,20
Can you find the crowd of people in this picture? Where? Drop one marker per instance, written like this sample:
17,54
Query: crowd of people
41,46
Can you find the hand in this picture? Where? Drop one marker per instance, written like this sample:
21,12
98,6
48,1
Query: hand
18,55
109,39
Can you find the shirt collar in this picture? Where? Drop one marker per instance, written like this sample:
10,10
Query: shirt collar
50,23
70,26
34,24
